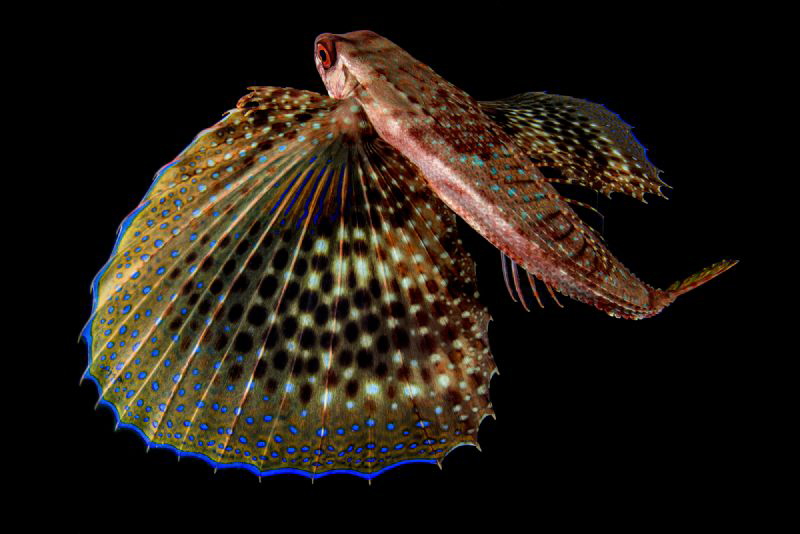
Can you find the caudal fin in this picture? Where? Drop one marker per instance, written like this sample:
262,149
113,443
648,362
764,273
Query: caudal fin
699,278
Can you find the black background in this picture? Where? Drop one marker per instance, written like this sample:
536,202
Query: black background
595,416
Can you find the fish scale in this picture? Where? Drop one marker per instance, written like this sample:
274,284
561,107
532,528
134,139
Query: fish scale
302,318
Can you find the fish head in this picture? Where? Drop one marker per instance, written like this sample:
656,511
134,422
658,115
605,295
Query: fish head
392,88
356,63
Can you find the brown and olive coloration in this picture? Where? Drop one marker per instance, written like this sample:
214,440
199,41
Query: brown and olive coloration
292,294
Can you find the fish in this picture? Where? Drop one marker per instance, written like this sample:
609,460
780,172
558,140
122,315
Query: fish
292,295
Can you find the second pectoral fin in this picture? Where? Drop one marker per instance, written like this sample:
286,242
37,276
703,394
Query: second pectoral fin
588,144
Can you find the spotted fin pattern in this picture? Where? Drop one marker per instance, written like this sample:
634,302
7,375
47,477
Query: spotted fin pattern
588,144
289,297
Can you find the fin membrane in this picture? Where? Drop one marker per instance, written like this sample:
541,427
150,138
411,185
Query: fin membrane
701,277
588,144
291,296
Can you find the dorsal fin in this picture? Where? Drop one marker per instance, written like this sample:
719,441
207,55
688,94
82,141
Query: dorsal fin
588,144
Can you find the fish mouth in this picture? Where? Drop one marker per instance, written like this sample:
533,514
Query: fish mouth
347,85
339,81
340,84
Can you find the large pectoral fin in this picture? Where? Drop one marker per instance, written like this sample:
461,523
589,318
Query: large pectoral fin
588,144
290,296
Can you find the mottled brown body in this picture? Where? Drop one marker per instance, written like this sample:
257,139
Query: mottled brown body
484,176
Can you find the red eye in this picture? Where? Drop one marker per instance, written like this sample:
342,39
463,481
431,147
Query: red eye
326,54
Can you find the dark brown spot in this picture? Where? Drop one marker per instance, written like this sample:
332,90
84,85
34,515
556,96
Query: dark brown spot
305,393
272,385
383,344
255,262
240,284
397,309
257,315
268,287
319,262
308,338
403,373
221,343
400,338
235,313
351,331
364,358
308,300
332,379
261,368
371,323
321,314
280,260
235,372
280,359
426,375
361,299
243,342
345,358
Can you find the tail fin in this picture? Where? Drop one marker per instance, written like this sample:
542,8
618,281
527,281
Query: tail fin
701,277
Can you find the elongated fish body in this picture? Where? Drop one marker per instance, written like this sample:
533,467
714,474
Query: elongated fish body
486,177
291,295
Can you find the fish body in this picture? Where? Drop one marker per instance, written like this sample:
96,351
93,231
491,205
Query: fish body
483,175
292,295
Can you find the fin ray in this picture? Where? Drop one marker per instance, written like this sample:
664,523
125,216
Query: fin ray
701,277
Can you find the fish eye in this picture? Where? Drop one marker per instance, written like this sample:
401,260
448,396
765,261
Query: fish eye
326,54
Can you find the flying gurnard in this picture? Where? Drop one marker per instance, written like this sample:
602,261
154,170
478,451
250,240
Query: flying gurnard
292,295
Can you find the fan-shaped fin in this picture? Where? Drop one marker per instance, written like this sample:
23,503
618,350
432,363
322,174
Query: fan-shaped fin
589,144
290,296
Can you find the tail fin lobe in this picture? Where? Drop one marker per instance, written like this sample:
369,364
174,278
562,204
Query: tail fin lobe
699,278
